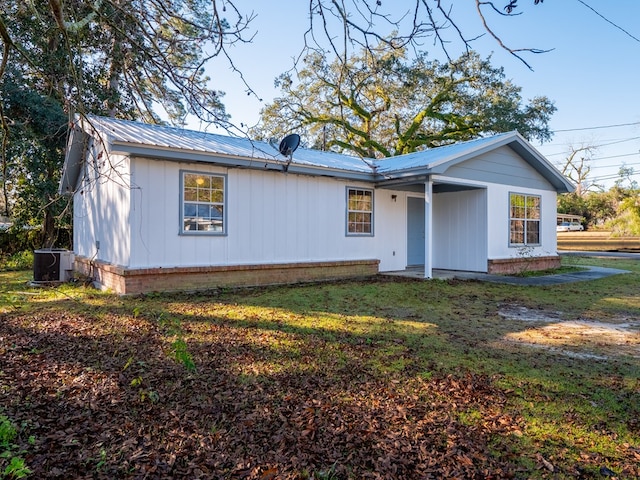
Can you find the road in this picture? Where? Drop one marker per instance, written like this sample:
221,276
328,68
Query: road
578,253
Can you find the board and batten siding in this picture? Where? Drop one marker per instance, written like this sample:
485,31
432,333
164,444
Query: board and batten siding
271,217
101,210
495,239
460,230
391,229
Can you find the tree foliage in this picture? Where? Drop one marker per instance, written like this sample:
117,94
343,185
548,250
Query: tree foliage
35,147
147,54
627,220
627,191
130,58
381,103
596,208
617,209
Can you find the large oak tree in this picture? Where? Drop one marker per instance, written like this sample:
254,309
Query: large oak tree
380,103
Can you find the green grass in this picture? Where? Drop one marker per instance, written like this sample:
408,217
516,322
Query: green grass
574,412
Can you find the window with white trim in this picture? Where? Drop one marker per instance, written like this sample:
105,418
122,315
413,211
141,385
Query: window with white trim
359,211
524,219
202,203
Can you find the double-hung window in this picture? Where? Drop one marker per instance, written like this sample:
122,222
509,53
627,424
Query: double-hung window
524,219
359,211
202,203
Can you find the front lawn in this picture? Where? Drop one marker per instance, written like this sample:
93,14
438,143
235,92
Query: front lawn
387,378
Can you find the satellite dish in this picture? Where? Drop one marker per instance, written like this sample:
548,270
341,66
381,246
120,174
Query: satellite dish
289,144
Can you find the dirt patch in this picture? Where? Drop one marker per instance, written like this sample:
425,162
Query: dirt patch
524,314
575,338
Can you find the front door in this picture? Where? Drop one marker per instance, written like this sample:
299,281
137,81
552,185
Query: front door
415,231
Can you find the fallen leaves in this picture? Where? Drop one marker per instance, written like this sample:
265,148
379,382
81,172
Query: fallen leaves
82,388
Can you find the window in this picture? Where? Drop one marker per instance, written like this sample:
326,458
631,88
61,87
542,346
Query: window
524,219
359,211
202,206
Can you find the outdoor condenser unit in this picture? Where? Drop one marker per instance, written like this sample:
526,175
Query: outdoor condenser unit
52,265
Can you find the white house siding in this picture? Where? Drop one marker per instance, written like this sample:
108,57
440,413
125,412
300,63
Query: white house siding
391,229
498,197
154,201
460,230
272,217
503,172
101,210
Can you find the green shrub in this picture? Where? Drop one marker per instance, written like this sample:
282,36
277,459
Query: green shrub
18,261
15,467
7,432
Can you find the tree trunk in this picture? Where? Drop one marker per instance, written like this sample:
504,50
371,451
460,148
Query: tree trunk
3,152
49,236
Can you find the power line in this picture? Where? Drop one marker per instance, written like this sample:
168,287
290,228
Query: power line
607,177
609,21
596,128
615,166
612,142
587,146
615,142
615,156
600,158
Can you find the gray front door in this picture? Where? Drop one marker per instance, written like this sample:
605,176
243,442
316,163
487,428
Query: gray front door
415,231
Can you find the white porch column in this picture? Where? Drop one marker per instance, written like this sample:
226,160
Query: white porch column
428,240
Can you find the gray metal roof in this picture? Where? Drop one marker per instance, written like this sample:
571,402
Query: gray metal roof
157,141
435,156
132,133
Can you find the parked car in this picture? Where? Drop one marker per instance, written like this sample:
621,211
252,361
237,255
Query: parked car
569,227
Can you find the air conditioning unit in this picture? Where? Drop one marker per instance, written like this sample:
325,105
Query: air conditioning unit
52,265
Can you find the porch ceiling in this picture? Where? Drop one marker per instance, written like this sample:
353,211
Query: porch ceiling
418,187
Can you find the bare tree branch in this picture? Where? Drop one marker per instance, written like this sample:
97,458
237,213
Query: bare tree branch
516,52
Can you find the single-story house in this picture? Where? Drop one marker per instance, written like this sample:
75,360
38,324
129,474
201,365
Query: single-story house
163,208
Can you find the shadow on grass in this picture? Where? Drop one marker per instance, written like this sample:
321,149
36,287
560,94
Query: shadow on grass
399,378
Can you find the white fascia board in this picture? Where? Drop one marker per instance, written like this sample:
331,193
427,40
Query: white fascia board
458,181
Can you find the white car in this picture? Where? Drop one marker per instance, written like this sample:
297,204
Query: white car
569,227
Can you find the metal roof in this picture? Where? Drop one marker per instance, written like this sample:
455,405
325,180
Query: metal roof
172,143
135,133
435,156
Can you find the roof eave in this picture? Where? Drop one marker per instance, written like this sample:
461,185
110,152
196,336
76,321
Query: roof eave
180,155
522,147
539,162
74,159
403,177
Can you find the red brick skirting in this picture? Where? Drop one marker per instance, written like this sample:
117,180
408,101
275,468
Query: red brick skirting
510,266
141,280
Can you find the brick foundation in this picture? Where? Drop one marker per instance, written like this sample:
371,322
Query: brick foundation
133,281
512,266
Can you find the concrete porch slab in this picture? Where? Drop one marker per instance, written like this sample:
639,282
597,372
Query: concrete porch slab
590,273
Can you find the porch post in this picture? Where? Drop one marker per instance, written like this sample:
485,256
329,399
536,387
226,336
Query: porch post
428,202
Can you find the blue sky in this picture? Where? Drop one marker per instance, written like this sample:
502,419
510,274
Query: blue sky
592,73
